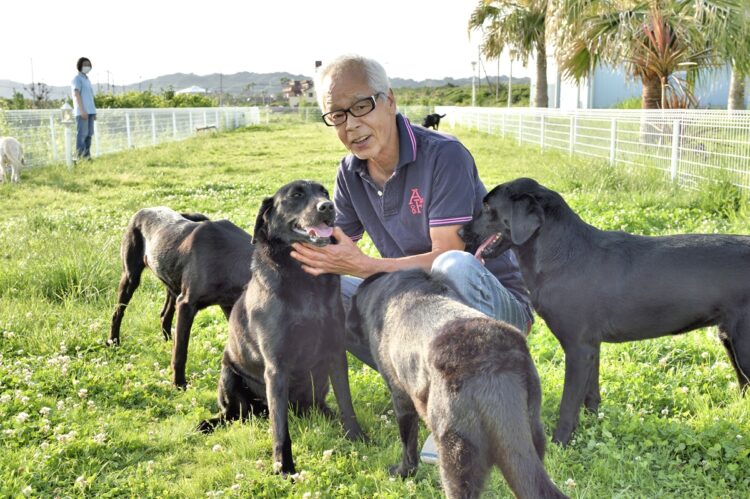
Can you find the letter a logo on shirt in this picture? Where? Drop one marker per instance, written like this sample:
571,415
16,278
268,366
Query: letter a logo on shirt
416,202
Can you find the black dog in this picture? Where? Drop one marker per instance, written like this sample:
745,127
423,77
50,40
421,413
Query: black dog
286,332
432,120
592,286
200,262
469,377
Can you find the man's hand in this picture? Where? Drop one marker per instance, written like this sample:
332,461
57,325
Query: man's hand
342,258
84,115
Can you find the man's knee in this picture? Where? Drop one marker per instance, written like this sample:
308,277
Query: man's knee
454,263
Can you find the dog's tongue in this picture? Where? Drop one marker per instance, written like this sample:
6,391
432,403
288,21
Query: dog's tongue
483,246
321,230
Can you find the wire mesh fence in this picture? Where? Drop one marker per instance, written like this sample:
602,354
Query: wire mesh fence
43,135
689,145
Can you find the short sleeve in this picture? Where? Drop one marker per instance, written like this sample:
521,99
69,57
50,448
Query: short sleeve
346,215
454,187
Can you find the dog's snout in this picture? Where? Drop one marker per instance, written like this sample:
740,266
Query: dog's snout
325,207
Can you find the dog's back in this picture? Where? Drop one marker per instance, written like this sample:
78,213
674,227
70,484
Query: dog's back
471,379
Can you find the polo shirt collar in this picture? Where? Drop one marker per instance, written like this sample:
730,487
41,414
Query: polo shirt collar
407,146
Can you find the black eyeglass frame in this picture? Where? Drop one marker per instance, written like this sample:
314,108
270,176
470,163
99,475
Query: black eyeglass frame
373,99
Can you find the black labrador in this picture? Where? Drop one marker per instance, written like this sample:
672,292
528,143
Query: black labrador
469,377
591,285
286,332
201,263
432,121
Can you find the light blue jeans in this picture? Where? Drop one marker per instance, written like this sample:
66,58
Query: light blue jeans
84,132
476,286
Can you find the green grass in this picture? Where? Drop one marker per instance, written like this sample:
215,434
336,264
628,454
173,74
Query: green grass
79,419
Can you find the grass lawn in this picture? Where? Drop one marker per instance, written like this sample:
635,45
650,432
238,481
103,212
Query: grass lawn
78,418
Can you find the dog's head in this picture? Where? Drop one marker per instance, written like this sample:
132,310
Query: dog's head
511,214
300,211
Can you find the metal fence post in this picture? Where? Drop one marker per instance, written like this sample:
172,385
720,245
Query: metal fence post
53,139
541,133
96,139
127,130
520,129
572,143
675,149
153,128
489,123
613,142
68,146
192,129
205,119
174,125
216,120
503,124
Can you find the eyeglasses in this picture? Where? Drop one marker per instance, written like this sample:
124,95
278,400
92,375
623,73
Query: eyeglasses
358,109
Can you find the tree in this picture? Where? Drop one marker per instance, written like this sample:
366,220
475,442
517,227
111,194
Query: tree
39,93
655,39
519,25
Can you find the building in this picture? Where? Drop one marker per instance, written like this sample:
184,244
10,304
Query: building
608,86
297,91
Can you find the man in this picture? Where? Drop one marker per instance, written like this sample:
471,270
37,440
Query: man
83,108
411,190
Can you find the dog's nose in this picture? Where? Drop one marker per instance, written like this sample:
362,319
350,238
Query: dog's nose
325,207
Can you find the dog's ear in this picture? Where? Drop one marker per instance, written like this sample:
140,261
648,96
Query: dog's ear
526,217
260,232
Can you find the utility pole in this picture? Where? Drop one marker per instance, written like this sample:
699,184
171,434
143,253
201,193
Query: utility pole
510,80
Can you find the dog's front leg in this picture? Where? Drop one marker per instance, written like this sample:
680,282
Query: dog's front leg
277,394
579,367
593,397
408,427
185,315
340,382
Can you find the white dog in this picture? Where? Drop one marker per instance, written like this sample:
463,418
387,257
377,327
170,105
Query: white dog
11,155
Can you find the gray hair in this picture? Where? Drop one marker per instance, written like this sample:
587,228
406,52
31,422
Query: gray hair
377,79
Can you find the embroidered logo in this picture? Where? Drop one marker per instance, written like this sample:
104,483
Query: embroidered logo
416,202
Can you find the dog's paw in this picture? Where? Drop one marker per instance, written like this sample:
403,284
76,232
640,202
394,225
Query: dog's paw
113,342
208,425
402,471
357,436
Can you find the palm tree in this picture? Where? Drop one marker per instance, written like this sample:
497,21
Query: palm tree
519,25
655,39
731,37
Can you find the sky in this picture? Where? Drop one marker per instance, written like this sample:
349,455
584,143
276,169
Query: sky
135,40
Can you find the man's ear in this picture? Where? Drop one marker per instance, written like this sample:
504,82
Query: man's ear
526,217
260,232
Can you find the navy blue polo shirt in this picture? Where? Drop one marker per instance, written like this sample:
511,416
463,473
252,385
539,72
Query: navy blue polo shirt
435,183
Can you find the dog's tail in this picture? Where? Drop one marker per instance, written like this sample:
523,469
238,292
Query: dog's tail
442,115
495,398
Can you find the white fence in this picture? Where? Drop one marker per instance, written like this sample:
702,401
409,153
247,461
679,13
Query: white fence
692,145
43,135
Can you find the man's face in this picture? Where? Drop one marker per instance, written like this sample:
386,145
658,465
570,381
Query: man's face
371,136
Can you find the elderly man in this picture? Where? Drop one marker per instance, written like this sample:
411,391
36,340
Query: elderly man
410,189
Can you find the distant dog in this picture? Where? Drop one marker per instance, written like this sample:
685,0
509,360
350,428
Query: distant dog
469,377
11,159
286,332
592,286
432,120
201,263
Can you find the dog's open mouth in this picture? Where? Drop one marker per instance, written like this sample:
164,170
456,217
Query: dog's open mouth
319,235
489,244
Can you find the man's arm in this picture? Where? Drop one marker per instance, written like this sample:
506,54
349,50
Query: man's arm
346,257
